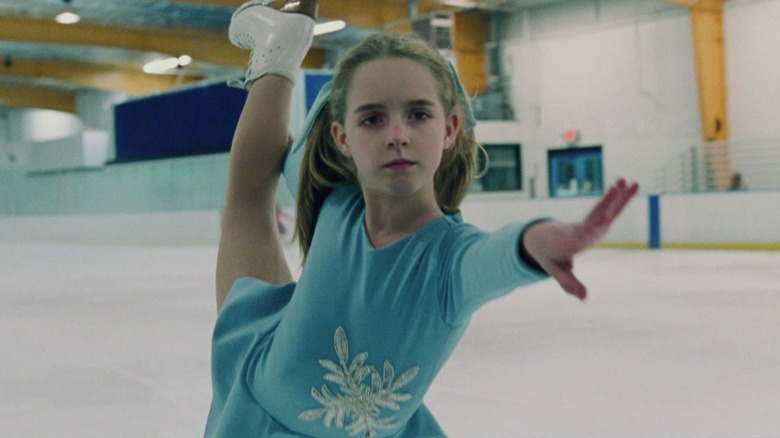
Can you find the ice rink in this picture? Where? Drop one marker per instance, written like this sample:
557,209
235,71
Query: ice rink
113,341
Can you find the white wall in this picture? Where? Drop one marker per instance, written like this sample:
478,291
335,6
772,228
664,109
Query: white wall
44,125
19,128
96,109
624,74
8,152
86,149
752,34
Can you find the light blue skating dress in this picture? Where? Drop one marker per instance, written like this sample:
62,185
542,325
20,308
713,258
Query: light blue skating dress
352,347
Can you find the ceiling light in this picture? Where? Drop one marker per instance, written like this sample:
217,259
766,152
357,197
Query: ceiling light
328,27
67,16
163,65
459,3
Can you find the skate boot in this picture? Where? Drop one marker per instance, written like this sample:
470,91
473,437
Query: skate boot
278,38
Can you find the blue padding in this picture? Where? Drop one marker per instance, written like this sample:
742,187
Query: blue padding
189,122
314,83
655,222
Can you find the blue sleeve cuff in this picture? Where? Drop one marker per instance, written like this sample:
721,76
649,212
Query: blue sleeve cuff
525,257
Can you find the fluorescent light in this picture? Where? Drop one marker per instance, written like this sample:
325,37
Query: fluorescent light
161,66
459,3
67,17
328,27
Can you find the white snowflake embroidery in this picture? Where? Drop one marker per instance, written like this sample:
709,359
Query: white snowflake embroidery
359,403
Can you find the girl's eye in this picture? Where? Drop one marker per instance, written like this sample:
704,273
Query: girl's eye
420,115
370,120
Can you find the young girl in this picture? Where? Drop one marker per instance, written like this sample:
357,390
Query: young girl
391,273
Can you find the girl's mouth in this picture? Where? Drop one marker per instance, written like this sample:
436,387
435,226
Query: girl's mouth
399,164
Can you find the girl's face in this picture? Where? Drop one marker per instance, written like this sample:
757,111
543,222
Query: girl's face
395,128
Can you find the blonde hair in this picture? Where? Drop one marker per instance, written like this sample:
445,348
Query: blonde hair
325,167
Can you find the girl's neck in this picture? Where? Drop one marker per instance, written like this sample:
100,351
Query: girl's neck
390,220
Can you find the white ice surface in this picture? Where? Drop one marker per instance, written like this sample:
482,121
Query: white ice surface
113,341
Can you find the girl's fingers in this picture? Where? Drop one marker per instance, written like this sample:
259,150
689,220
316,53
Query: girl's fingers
601,208
612,203
597,223
624,195
565,277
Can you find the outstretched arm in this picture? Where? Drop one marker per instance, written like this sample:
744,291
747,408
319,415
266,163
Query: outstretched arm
553,244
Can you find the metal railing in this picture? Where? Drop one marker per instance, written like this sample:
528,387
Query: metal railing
725,165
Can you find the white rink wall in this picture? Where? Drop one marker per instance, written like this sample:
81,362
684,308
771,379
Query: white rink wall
727,218
490,212
739,220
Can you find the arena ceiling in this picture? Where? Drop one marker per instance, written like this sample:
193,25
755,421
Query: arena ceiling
43,63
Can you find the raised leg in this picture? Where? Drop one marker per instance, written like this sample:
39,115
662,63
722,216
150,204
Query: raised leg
250,245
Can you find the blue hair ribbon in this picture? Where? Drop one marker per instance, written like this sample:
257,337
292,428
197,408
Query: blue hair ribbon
471,121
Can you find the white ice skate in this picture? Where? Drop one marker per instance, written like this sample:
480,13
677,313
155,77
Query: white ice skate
278,38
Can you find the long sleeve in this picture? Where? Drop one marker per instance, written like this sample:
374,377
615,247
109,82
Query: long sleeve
480,267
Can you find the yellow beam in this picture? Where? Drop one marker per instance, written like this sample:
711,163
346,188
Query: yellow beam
356,13
38,98
683,3
215,48
470,32
370,14
708,43
708,39
96,76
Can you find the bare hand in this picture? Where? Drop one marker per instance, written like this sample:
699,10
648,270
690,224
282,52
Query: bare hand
554,244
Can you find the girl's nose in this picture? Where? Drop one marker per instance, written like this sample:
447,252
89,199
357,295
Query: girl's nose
398,135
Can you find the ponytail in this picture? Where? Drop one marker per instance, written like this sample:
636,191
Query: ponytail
324,168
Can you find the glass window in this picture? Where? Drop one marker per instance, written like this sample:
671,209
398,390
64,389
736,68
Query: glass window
504,170
443,37
575,172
